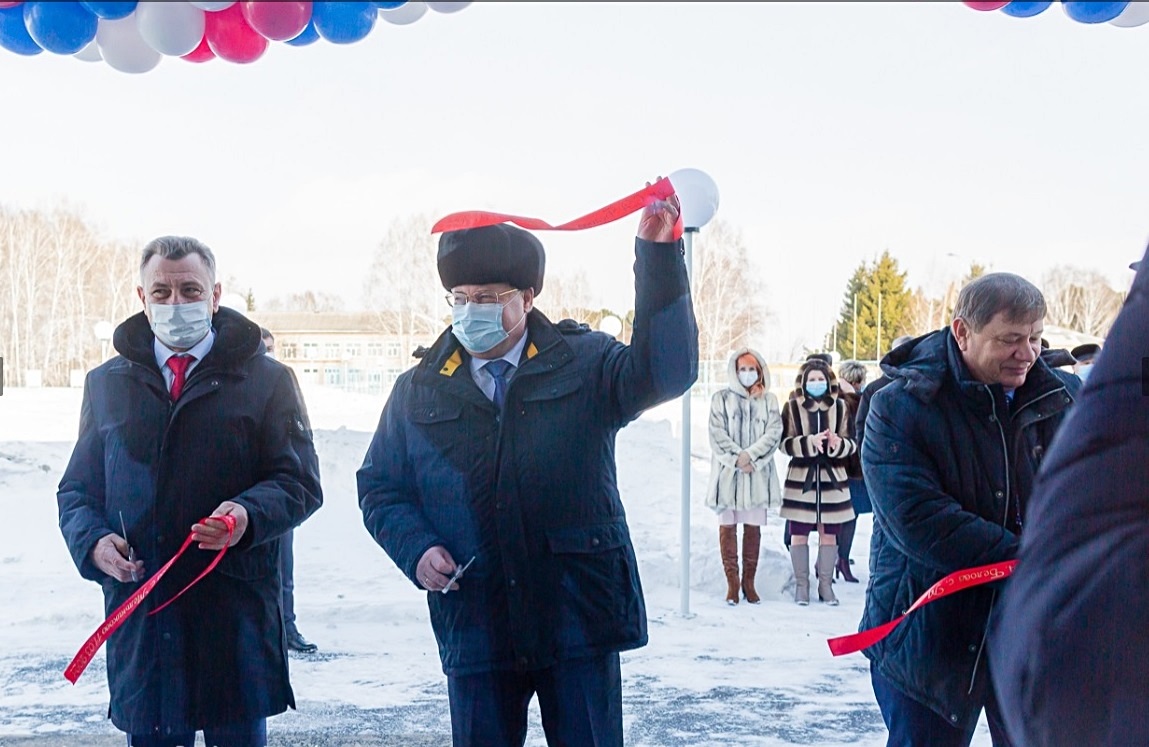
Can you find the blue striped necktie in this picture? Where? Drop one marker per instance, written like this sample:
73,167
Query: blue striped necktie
498,370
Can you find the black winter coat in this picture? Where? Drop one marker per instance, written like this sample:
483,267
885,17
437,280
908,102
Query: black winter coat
1070,639
239,432
950,466
531,494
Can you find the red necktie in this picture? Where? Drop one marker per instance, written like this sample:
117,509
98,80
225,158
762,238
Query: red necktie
179,366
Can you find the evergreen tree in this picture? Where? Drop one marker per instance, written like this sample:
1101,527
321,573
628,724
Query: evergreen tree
876,289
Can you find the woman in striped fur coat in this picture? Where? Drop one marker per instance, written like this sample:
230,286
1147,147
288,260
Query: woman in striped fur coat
815,498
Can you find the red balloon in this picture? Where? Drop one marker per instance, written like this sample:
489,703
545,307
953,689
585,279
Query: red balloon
230,38
989,5
202,53
278,21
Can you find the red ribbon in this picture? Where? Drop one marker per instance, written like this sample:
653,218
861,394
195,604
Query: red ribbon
951,584
660,190
84,656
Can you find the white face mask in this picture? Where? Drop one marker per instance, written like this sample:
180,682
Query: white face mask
748,378
180,326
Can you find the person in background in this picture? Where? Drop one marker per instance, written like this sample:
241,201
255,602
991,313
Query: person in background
295,639
1084,356
867,395
495,456
1069,639
952,446
190,422
745,428
852,376
828,359
816,436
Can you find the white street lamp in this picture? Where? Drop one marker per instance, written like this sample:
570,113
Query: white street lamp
104,330
610,324
699,197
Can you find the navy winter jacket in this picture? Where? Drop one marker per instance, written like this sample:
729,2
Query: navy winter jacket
950,466
239,432
532,495
1070,639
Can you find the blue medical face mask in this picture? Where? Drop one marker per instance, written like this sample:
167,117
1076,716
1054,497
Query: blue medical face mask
1083,372
479,326
816,388
180,326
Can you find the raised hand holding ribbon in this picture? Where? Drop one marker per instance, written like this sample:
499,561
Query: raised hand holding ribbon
661,220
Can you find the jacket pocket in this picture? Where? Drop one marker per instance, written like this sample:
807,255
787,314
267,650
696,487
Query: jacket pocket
594,570
252,564
555,389
431,413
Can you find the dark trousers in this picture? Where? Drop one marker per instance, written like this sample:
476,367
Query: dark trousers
580,701
244,734
912,724
287,574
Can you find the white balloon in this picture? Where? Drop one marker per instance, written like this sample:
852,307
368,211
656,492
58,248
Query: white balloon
211,6
123,48
446,7
170,28
406,13
90,53
1135,14
698,194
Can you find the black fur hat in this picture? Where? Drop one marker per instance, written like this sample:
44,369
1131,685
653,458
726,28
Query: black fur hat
491,254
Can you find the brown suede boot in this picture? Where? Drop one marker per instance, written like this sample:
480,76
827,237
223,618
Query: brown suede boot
728,546
751,542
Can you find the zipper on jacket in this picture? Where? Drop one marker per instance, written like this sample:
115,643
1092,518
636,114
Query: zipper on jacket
1004,523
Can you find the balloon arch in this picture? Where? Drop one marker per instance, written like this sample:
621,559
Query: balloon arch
133,37
1125,15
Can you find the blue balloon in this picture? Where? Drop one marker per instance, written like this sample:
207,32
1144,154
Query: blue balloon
110,10
307,36
14,35
344,23
59,27
1019,9
388,5
1093,12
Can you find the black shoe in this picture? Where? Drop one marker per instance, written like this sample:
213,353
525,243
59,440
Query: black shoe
296,641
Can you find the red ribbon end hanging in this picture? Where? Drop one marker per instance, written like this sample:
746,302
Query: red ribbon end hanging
84,656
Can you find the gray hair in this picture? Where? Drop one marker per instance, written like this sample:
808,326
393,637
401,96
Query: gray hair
899,341
853,372
177,247
999,292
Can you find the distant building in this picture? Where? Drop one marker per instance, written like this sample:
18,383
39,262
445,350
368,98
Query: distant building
359,351
364,351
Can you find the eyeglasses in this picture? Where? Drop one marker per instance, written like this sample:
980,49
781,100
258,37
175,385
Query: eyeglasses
482,297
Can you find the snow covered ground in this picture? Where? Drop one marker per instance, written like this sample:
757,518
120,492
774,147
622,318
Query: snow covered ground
748,675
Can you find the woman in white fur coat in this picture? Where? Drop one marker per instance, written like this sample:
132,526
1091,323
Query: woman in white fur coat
745,429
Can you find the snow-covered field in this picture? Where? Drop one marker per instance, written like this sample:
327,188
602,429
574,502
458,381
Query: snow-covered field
748,675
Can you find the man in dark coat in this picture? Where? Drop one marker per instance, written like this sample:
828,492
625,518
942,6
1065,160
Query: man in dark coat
951,449
495,454
1069,639
295,639
189,421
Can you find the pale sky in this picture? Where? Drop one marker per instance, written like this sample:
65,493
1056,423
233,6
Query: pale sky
833,131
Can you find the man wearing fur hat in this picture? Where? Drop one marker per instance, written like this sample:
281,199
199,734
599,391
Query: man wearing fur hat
494,455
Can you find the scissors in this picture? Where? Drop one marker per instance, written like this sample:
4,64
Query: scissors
131,550
458,574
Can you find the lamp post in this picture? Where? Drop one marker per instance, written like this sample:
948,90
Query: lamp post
103,330
699,197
